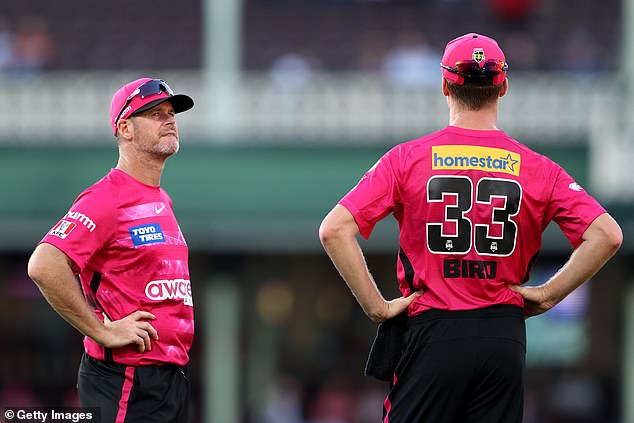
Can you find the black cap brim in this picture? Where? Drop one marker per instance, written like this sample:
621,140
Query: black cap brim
180,103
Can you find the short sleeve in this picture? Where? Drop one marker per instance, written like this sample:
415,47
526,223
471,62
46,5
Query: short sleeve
86,228
572,208
375,196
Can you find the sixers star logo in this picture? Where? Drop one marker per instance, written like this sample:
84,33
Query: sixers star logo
478,54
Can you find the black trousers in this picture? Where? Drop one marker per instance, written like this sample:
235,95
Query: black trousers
460,366
128,394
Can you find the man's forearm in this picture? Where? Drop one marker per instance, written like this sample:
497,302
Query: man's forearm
55,279
600,241
584,263
338,234
347,257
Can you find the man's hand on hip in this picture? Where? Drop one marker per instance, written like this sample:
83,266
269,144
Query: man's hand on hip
132,329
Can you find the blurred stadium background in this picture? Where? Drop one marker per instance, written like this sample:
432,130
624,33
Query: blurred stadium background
295,99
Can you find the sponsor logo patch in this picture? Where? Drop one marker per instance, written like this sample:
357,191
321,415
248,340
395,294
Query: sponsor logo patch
83,219
146,234
63,229
173,289
471,157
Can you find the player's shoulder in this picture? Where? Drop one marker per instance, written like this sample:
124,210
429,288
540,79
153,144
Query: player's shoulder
431,138
537,165
103,193
407,148
531,154
166,196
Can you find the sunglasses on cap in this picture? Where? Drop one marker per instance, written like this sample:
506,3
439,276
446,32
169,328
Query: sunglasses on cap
471,68
153,87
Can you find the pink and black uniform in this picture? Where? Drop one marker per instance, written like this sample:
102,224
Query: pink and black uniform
122,241
471,208
471,205
130,255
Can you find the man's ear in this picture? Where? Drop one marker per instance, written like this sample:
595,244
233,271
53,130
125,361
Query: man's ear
445,90
125,129
505,88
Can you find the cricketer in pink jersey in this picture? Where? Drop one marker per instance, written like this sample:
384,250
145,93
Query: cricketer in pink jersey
121,240
130,254
471,205
471,208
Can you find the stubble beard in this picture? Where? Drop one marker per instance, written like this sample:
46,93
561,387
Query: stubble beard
163,149
167,149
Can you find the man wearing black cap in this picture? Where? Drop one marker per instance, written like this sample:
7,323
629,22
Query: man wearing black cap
472,204
121,239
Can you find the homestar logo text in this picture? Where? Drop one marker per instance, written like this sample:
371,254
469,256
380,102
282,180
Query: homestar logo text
475,158
173,289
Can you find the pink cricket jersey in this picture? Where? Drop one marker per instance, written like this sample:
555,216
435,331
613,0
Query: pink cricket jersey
471,208
130,255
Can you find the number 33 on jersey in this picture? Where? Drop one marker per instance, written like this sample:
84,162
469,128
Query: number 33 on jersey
471,207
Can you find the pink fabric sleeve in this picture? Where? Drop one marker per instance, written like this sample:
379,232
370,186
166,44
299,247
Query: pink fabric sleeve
375,196
86,228
572,208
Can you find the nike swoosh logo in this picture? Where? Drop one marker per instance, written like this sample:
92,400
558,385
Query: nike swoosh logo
158,210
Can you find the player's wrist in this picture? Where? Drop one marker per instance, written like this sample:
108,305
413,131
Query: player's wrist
551,295
101,333
379,312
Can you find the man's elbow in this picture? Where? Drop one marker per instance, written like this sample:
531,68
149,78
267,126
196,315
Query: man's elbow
35,268
610,234
614,238
337,226
44,260
333,230
329,230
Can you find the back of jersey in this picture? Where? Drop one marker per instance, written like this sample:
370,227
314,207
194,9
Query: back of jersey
471,206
